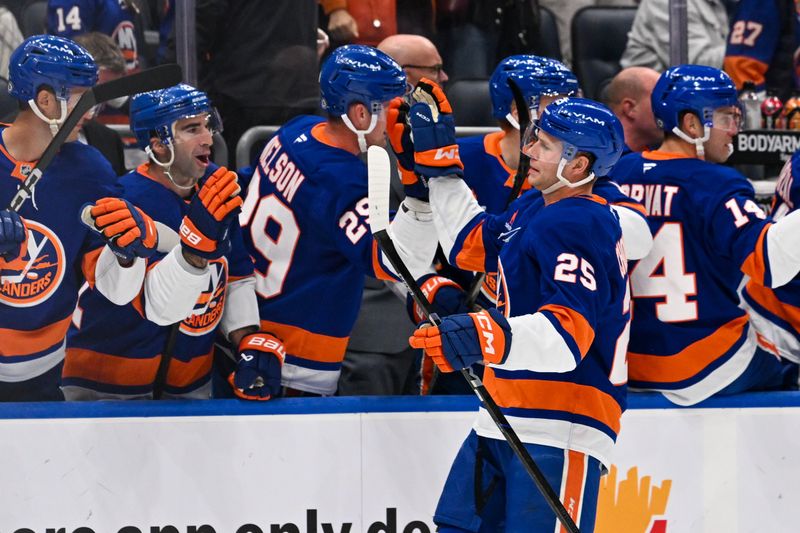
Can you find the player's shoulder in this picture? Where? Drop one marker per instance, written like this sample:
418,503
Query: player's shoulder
84,163
319,161
627,166
576,213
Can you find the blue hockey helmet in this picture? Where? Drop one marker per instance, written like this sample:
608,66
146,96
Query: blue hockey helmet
56,62
694,88
359,74
154,113
535,76
583,125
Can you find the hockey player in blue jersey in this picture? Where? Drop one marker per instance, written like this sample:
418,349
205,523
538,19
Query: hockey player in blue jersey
115,18
305,218
554,348
43,267
775,313
115,352
690,339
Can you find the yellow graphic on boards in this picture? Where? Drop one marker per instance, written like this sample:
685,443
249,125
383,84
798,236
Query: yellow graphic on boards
631,505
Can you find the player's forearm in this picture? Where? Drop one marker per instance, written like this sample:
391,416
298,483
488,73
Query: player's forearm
454,206
241,309
415,236
172,288
537,345
119,283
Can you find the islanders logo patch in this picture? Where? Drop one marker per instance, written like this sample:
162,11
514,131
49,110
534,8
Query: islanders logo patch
208,309
503,301
32,278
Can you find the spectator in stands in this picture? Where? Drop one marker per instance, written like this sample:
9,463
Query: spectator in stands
628,96
648,40
762,45
370,21
111,66
10,38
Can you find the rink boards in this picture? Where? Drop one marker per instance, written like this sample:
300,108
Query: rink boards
370,465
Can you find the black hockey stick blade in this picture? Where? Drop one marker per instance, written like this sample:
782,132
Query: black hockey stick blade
146,80
524,116
378,167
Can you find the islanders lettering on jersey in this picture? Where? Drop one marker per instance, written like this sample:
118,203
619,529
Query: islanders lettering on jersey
275,165
657,198
32,278
207,311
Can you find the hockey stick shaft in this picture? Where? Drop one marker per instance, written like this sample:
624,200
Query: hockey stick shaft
146,80
379,210
524,114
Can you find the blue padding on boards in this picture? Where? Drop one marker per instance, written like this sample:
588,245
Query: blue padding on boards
338,405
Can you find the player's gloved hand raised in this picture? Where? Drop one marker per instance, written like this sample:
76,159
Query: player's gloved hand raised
445,296
127,230
399,132
205,230
258,372
434,132
462,340
13,235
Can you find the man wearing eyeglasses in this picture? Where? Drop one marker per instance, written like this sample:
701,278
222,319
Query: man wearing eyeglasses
417,55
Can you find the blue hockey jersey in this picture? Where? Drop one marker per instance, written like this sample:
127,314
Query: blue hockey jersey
38,291
305,224
775,313
116,351
69,18
689,337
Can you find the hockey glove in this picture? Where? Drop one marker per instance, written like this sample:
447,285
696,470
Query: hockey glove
434,132
258,372
127,230
13,235
463,340
445,296
205,230
399,132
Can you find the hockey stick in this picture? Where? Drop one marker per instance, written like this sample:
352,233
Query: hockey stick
379,175
524,114
146,80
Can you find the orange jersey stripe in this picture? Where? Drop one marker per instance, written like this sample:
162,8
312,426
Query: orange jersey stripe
89,264
303,343
743,68
111,369
573,485
689,361
554,396
754,266
658,155
184,373
472,255
22,342
377,266
575,324
766,298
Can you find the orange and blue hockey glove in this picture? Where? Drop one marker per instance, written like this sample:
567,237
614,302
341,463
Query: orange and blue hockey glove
445,296
205,230
127,230
13,236
460,341
434,132
258,372
399,132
